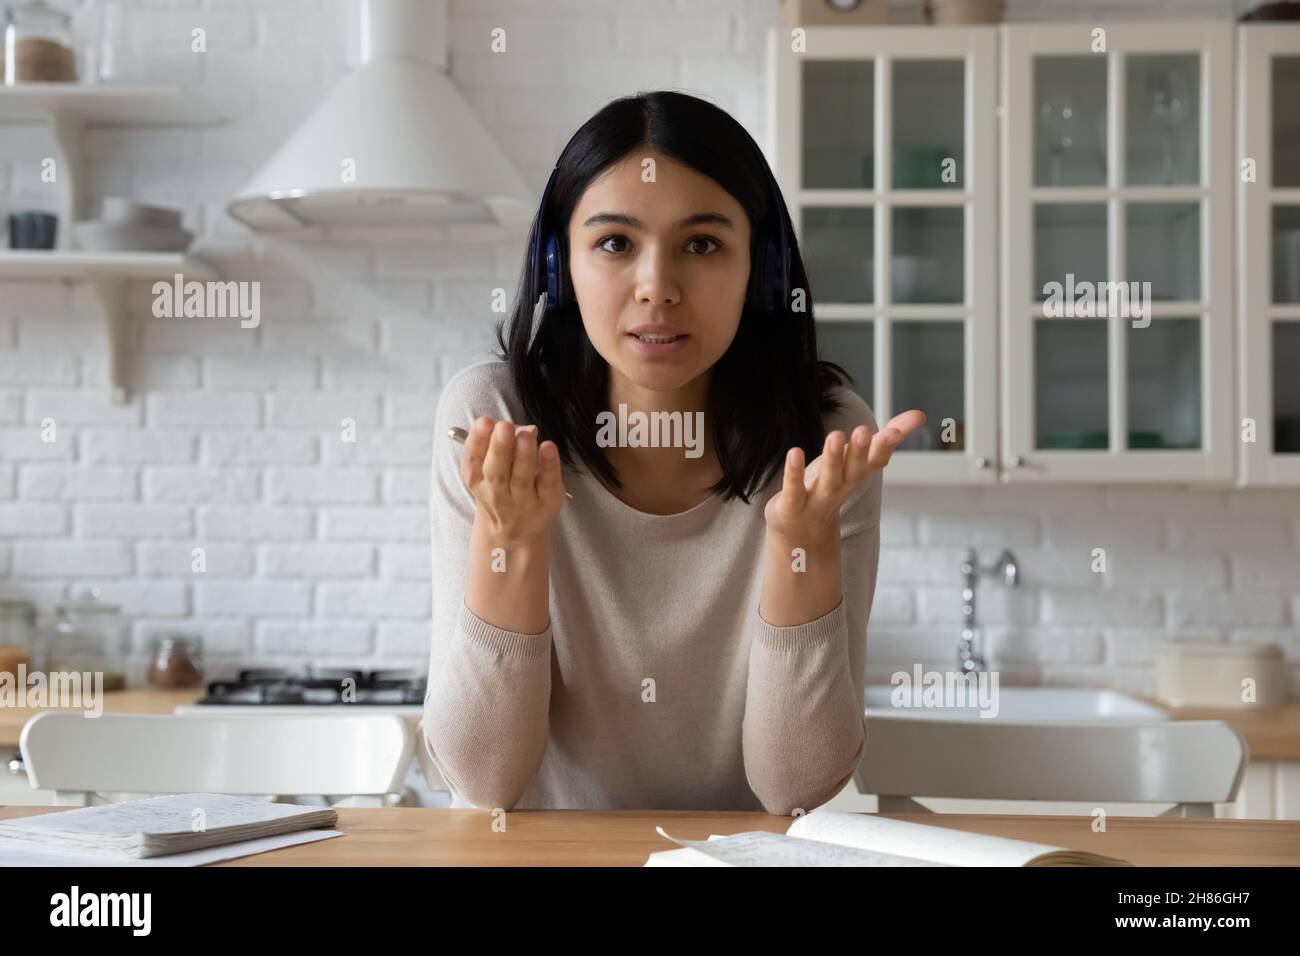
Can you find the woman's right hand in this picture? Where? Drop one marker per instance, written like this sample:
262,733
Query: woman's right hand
516,485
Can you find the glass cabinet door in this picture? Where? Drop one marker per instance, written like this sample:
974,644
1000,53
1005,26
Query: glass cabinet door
1071,384
837,113
851,344
928,115
1069,121
1285,376
927,361
1162,126
894,176
1285,340
1117,315
1269,232
1284,118
838,247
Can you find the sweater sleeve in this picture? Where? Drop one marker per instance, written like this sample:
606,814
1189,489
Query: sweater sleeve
485,724
804,729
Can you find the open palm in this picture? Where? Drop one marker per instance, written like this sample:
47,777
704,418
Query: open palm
810,498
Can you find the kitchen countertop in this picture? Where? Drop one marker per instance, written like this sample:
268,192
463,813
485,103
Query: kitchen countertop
144,700
1271,734
423,836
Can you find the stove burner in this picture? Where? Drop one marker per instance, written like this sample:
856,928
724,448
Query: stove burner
324,686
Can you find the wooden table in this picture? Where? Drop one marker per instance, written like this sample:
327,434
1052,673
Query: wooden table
420,836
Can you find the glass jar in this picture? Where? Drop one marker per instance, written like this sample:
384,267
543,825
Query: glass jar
118,54
39,45
89,635
176,661
17,644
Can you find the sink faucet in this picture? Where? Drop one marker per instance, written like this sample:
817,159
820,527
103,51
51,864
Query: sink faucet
969,658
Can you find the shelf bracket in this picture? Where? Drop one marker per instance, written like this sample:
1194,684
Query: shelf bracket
110,290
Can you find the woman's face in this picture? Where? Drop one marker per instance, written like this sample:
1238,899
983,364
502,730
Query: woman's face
672,254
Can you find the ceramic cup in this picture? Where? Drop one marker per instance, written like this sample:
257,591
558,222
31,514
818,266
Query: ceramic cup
32,230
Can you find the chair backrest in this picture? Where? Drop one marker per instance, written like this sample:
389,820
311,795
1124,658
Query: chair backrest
353,756
1191,763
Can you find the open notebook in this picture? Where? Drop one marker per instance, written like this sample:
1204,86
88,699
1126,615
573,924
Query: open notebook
161,825
835,838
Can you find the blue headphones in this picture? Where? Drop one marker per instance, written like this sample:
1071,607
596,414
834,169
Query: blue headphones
769,277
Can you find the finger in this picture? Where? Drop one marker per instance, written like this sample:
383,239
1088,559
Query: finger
883,445
859,463
792,487
500,456
550,485
523,476
907,422
831,479
476,447
811,471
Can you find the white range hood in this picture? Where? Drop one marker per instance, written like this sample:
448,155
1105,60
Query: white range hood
394,143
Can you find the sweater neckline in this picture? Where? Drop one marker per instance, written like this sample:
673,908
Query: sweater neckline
600,493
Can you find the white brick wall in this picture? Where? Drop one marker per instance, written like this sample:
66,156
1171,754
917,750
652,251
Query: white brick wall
317,548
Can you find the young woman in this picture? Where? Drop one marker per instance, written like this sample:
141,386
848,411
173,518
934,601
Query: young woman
688,629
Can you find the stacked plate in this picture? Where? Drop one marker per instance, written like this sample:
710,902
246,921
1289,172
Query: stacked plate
130,226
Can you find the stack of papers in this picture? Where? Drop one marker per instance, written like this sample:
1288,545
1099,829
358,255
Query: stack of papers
176,830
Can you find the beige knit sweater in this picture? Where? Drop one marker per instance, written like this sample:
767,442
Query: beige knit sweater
656,685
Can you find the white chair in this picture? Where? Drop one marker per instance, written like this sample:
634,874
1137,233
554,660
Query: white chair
360,759
1190,763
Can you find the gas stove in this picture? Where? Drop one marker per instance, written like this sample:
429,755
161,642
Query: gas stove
329,690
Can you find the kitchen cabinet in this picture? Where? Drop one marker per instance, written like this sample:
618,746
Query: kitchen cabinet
887,158
961,193
1117,168
1270,790
1268,252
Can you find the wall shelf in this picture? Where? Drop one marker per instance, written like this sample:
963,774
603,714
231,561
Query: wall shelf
54,264
105,104
68,108
108,273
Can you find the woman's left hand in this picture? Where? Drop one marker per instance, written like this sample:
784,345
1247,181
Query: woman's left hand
806,510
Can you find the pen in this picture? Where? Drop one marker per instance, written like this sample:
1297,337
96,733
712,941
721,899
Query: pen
459,435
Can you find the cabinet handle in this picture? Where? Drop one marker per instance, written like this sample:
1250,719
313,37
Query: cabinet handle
981,462
1016,461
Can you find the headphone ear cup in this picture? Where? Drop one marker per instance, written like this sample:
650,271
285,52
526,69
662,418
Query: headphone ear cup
554,271
557,289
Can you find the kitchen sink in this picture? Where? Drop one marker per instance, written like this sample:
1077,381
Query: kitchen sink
1025,703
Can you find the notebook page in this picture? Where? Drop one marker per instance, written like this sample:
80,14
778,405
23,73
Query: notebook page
903,838
759,848
169,814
